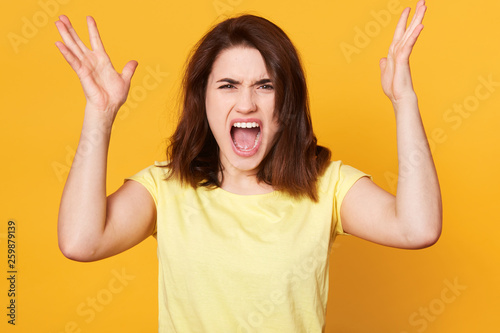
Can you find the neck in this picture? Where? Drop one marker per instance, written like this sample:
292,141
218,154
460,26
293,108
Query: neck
244,183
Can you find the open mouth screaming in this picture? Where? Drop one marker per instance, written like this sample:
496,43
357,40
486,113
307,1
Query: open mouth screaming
246,137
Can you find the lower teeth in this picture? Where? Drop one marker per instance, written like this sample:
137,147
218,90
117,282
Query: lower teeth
246,148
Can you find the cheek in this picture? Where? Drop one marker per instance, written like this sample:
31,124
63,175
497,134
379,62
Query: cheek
217,109
273,131
216,123
272,117
211,113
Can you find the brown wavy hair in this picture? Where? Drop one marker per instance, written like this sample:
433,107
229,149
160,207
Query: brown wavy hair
295,161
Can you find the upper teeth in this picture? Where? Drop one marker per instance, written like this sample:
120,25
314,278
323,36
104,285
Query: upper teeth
246,125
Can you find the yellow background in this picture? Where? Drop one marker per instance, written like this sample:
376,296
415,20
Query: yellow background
373,288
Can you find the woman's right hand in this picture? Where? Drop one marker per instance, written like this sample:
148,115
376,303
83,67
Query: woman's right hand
105,89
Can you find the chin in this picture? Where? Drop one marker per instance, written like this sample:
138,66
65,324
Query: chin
244,164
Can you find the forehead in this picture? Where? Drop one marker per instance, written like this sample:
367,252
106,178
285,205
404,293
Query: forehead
240,62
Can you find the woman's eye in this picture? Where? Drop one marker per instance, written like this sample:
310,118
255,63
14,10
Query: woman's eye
267,87
226,86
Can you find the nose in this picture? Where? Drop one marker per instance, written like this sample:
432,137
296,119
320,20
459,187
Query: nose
246,101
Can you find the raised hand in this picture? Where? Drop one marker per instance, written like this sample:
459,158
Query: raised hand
395,68
105,89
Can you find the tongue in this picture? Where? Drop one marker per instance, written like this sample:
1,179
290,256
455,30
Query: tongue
245,137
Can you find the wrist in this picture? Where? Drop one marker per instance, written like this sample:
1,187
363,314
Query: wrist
404,101
102,118
95,127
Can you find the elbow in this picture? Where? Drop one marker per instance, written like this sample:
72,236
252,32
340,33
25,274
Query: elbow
74,243
425,237
427,240
73,251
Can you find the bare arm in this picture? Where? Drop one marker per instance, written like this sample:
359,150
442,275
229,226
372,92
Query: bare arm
412,218
92,226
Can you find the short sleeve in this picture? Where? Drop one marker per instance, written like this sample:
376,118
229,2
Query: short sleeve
150,178
347,176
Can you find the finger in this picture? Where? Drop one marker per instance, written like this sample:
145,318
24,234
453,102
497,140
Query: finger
383,64
412,39
95,38
413,22
72,32
418,18
68,39
401,26
129,70
72,60
420,3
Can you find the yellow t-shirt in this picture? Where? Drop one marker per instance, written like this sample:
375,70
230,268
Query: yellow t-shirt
244,263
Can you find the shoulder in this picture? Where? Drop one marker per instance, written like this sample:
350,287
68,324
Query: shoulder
153,177
338,175
157,170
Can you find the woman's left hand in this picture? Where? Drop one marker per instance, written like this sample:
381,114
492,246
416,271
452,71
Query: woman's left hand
413,218
395,68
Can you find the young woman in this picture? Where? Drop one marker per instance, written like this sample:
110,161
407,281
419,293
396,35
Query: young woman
246,207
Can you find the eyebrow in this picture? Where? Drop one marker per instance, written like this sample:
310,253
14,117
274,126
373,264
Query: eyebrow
231,81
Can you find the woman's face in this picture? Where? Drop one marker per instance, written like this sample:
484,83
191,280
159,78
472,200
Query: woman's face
240,108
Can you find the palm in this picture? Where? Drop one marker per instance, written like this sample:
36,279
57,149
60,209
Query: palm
395,68
101,83
104,87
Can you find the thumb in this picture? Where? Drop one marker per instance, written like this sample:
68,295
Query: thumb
129,70
383,64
